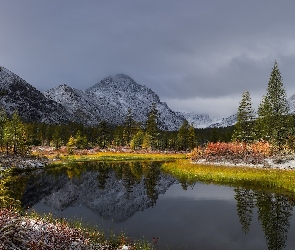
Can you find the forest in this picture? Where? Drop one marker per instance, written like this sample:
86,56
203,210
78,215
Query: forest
17,136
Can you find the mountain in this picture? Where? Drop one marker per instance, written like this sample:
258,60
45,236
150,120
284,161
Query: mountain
199,120
110,99
225,122
206,121
31,104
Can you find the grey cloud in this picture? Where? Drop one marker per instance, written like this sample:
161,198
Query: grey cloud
180,49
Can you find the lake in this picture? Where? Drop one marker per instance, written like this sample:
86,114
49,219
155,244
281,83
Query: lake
137,198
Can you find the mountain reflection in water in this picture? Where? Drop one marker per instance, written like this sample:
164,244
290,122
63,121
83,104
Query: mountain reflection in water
182,215
111,190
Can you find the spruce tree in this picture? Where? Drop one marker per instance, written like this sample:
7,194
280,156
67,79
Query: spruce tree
130,128
192,138
103,134
182,136
137,140
273,110
243,131
152,127
15,135
3,121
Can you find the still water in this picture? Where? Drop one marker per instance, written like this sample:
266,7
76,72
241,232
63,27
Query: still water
139,199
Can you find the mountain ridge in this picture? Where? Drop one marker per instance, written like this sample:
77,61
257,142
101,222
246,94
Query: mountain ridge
31,104
110,99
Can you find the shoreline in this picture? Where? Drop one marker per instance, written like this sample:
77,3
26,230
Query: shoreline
22,161
279,162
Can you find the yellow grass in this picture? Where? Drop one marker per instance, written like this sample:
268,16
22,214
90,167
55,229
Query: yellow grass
282,180
114,156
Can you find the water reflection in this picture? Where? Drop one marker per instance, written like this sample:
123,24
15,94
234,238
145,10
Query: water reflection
274,214
207,215
112,190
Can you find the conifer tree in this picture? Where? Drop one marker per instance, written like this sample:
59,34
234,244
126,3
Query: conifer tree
273,110
14,135
182,136
152,127
3,121
244,128
137,140
103,134
130,128
192,139
118,136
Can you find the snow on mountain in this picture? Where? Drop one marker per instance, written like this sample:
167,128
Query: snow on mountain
110,99
206,121
17,95
199,120
225,122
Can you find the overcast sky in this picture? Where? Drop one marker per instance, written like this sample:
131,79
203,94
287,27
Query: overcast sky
196,55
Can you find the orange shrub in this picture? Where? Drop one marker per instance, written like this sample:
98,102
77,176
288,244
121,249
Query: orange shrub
236,152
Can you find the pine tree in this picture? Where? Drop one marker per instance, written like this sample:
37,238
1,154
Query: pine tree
130,128
3,121
152,127
118,136
192,139
244,128
103,134
182,136
137,140
15,135
273,110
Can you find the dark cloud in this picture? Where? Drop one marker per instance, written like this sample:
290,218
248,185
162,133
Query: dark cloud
186,51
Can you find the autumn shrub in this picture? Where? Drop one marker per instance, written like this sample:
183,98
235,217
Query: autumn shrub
237,152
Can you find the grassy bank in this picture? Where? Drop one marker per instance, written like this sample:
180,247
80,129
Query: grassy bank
185,171
120,156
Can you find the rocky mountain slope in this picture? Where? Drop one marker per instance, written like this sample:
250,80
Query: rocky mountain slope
110,99
31,104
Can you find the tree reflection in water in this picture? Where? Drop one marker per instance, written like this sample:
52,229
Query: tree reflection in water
131,173
274,214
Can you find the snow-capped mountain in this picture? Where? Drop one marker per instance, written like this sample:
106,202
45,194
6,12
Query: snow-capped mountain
110,99
31,104
206,121
225,122
199,120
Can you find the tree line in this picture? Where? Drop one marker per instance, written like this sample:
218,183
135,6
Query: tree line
17,136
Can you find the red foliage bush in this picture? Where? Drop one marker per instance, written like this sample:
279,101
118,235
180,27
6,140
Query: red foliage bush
236,152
